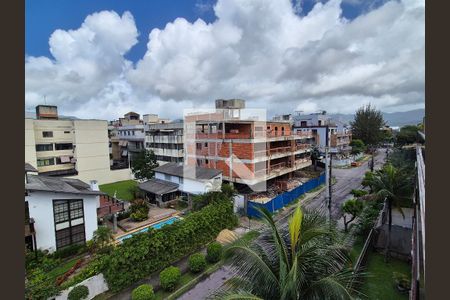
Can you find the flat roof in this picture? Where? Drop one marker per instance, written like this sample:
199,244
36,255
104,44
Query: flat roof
180,170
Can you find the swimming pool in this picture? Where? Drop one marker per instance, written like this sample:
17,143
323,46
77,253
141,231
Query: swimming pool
156,226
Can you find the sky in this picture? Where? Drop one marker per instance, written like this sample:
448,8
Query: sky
101,59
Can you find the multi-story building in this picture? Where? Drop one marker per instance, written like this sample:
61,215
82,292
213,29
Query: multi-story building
327,132
247,151
166,141
69,147
128,136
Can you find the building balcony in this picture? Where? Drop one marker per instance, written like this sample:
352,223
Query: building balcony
165,139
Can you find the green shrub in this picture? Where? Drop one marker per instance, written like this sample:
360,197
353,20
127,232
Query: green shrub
79,292
214,252
69,251
143,254
143,292
169,278
39,285
197,262
359,193
139,210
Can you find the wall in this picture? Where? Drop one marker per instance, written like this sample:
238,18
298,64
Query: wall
96,285
191,186
30,144
285,198
40,205
104,176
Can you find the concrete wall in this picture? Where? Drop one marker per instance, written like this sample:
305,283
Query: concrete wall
104,176
30,144
96,285
40,206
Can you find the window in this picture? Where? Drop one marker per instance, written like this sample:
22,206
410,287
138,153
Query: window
132,132
320,122
206,161
42,162
64,146
181,180
63,160
206,145
303,123
44,147
69,222
66,131
167,177
47,133
199,146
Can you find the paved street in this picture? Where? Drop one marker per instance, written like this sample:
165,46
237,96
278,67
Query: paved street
346,180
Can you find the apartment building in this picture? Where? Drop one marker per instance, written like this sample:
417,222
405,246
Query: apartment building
326,131
247,151
69,147
166,141
128,137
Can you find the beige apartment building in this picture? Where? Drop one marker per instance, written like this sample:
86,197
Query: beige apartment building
70,147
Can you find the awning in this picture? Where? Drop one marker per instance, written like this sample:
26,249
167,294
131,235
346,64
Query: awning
124,153
65,159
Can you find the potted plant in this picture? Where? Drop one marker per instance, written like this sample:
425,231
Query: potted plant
402,282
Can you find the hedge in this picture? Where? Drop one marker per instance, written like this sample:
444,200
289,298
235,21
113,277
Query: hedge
144,254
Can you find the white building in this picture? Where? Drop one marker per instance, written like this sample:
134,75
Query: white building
173,181
70,147
59,212
327,131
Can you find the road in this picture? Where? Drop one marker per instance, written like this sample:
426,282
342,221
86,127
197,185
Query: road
346,180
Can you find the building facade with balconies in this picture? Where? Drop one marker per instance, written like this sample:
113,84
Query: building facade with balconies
166,141
247,151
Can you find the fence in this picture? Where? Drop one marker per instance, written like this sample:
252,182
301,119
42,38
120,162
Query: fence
285,198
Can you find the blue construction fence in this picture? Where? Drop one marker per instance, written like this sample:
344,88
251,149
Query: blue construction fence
285,198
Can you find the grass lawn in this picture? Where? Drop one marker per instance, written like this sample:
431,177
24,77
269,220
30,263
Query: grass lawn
379,284
63,268
122,188
356,250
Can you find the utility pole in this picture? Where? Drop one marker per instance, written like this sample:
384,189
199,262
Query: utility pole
329,184
327,175
372,164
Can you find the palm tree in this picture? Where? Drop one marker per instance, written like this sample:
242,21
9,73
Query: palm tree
393,186
102,236
304,260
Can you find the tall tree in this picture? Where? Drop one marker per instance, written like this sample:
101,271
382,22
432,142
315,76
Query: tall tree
143,165
367,125
407,135
304,260
393,186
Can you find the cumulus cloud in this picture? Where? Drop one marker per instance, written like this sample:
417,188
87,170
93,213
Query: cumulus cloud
261,51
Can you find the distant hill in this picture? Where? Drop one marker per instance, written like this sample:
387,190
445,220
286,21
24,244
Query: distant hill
392,119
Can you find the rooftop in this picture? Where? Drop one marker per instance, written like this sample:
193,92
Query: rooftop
187,171
59,185
158,186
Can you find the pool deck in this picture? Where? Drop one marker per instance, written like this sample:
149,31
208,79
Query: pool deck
156,215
